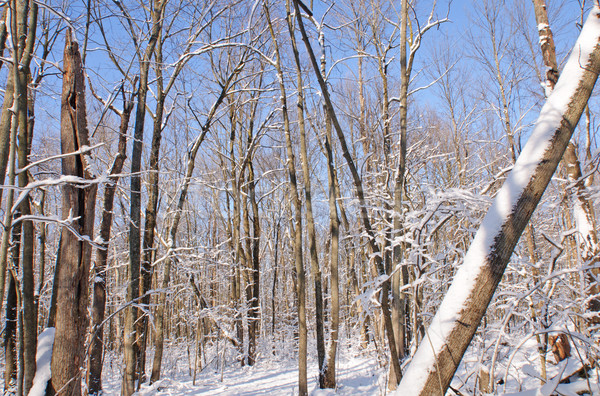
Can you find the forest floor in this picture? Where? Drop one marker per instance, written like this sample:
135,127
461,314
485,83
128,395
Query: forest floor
358,374
359,371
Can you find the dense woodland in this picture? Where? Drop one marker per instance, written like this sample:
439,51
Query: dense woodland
229,182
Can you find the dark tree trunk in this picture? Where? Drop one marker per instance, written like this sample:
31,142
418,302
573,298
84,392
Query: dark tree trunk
147,269
133,289
94,379
254,314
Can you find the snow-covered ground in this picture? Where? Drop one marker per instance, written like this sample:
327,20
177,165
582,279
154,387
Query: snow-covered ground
515,368
357,375
516,372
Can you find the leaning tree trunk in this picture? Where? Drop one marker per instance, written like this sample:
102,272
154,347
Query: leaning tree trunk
466,301
78,203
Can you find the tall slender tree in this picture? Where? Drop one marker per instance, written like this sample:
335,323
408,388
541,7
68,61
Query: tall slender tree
310,220
133,288
95,361
297,204
378,262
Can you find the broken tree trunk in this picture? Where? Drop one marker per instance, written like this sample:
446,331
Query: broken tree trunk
78,203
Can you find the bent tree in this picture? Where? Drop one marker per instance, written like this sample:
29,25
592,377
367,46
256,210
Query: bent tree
465,303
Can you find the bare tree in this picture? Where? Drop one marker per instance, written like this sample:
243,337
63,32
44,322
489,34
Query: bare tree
94,375
174,225
378,262
582,207
21,299
130,344
297,204
310,226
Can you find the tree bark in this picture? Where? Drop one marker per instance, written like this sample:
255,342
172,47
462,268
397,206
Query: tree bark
254,311
253,248
461,311
546,44
147,270
400,278
25,117
10,330
239,257
68,354
5,123
334,232
42,254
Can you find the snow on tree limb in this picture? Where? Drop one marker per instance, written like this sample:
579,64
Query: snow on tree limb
465,303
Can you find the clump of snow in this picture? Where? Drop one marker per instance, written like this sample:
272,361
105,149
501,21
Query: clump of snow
542,26
42,361
584,225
